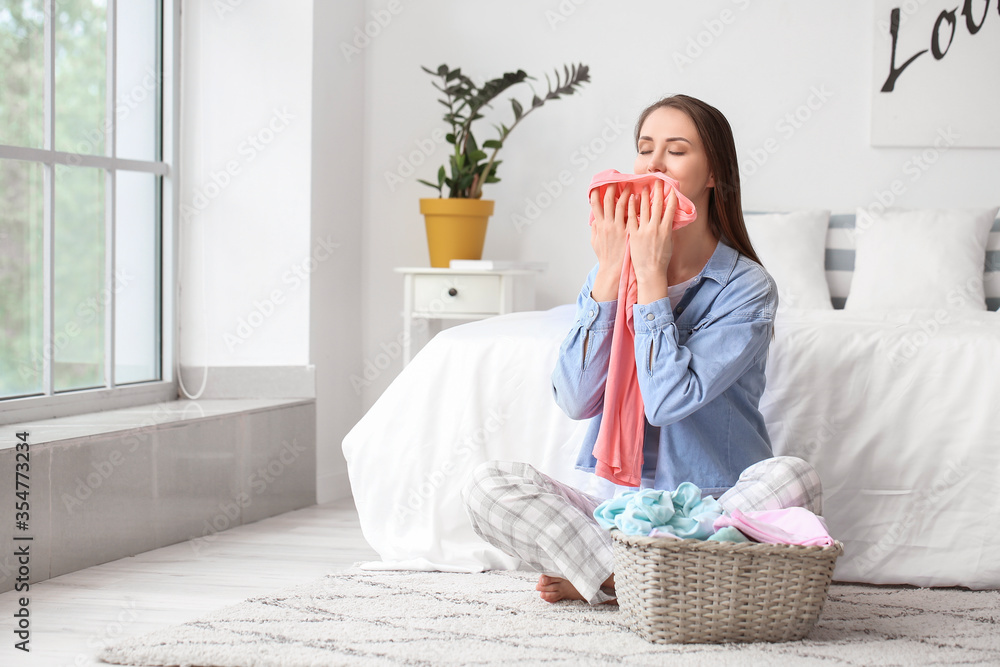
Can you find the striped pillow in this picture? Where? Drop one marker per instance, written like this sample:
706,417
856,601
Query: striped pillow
840,261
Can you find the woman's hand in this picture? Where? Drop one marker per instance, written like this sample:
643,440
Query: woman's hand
650,224
607,237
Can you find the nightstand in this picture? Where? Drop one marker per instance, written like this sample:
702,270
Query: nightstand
460,294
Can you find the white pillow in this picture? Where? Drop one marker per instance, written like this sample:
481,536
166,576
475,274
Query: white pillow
920,258
792,247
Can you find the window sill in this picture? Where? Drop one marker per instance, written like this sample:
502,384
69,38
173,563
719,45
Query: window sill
111,484
138,418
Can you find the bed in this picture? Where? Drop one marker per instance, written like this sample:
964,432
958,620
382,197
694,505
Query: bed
896,409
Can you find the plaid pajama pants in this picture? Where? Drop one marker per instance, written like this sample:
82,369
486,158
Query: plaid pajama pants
550,526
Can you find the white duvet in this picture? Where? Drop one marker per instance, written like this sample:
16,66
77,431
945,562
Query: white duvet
897,412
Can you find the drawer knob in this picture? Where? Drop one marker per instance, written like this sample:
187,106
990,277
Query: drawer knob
452,291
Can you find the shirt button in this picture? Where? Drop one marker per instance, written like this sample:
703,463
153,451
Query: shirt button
591,313
650,316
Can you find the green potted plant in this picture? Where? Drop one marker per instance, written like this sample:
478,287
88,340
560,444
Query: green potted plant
456,222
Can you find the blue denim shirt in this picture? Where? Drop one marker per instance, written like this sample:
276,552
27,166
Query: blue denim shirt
700,368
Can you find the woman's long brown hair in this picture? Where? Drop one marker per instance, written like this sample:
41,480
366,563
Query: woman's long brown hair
725,217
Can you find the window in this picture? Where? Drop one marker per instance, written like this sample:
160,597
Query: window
85,198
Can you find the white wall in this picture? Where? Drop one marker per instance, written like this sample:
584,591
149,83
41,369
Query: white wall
338,214
245,174
271,251
764,62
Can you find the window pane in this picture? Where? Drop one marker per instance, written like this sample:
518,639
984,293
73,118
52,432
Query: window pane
137,271
138,84
22,73
81,71
21,198
80,293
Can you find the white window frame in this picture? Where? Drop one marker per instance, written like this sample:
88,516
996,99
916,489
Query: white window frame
62,404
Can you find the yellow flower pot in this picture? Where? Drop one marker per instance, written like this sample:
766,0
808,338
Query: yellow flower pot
456,228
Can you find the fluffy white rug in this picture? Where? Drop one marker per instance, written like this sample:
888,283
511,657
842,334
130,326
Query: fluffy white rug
360,617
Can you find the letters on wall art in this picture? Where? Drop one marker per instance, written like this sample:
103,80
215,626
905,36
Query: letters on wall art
934,72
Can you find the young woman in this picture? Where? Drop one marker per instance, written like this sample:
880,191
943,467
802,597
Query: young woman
702,325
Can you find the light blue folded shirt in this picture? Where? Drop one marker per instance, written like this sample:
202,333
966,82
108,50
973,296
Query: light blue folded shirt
682,512
728,534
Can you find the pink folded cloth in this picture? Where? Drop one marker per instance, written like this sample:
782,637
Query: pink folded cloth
618,449
792,525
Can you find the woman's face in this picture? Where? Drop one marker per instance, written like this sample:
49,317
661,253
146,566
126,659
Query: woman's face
669,143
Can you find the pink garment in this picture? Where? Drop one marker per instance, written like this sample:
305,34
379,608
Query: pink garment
792,525
618,449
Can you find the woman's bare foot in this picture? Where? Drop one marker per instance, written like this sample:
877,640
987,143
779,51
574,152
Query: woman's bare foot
553,589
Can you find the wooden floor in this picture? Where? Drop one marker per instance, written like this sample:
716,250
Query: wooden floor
75,615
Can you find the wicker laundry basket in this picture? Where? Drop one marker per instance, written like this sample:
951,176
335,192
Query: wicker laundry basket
693,591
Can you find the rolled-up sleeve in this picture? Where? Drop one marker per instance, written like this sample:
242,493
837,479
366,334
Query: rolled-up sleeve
676,380
581,370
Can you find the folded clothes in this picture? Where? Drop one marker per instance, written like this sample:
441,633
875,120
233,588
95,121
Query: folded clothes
618,448
682,512
792,525
658,532
728,534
